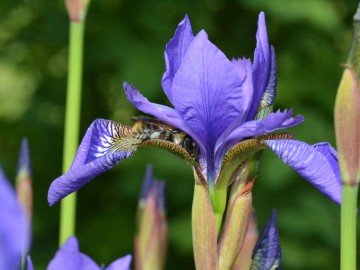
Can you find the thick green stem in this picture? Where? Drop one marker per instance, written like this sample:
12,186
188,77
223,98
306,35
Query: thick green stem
218,200
348,227
72,119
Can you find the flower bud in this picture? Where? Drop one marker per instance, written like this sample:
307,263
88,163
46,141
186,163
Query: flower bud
347,112
243,261
267,251
151,237
23,180
77,9
347,127
236,224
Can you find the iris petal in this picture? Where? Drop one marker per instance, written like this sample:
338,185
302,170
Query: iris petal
174,52
98,152
332,156
14,232
120,264
278,120
244,69
272,122
269,94
207,92
311,164
164,113
69,257
261,64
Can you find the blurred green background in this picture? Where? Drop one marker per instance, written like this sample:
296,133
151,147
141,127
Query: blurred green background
125,41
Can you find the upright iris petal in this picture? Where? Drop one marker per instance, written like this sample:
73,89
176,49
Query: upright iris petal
261,65
207,93
175,51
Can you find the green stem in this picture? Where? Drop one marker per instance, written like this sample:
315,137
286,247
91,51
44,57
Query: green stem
348,227
72,119
218,200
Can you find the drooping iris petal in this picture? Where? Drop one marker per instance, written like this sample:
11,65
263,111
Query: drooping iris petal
101,148
272,122
207,93
331,155
310,163
267,251
120,264
69,257
174,52
14,233
261,65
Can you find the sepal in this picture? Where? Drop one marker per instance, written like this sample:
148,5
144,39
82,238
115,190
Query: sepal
235,225
204,230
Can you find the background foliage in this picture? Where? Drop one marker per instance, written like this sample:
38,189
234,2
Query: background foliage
125,41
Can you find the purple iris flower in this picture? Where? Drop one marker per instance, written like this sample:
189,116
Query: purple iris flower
14,230
267,251
218,103
69,257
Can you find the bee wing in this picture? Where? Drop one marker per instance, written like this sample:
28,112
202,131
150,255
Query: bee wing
158,124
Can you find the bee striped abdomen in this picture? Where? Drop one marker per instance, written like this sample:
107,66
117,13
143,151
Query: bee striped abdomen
146,128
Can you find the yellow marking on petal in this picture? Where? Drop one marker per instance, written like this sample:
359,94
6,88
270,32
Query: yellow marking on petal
277,136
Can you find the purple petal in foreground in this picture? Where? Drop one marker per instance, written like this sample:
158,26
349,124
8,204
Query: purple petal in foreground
311,163
14,233
267,251
69,257
174,52
120,264
97,153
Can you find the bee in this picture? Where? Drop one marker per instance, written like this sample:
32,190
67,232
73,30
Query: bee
147,128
